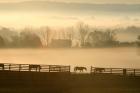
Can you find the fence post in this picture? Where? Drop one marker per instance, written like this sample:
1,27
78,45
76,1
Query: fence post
39,68
3,67
111,70
60,69
19,67
69,68
134,72
9,66
49,68
91,69
124,72
29,67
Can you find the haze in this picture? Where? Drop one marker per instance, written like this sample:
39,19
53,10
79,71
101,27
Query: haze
64,13
81,1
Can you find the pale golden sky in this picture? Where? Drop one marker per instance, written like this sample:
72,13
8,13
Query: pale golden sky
20,16
86,1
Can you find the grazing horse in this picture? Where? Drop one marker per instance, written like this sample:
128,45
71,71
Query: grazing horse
36,67
81,69
2,66
99,70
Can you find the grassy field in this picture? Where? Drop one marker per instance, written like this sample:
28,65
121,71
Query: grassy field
35,82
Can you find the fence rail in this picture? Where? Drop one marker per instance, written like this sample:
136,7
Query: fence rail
62,68
33,67
117,71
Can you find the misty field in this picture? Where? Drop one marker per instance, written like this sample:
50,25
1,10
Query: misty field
98,57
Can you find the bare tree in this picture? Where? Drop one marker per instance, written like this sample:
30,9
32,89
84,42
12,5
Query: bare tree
83,31
102,38
63,34
45,33
70,33
29,39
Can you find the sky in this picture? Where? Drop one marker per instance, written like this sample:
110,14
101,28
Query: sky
81,1
65,15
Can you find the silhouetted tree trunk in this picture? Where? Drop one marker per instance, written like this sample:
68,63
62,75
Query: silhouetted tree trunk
83,31
45,36
70,33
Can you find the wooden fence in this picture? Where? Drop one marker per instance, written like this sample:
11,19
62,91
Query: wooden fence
115,71
61,68
33,67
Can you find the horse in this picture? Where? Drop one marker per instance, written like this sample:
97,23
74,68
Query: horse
2,66
81,69
99,70
36,67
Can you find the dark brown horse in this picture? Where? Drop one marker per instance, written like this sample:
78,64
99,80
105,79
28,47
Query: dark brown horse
99,70
36,67
81,69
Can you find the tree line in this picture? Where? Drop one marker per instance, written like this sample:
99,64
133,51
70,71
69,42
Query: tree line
81,35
